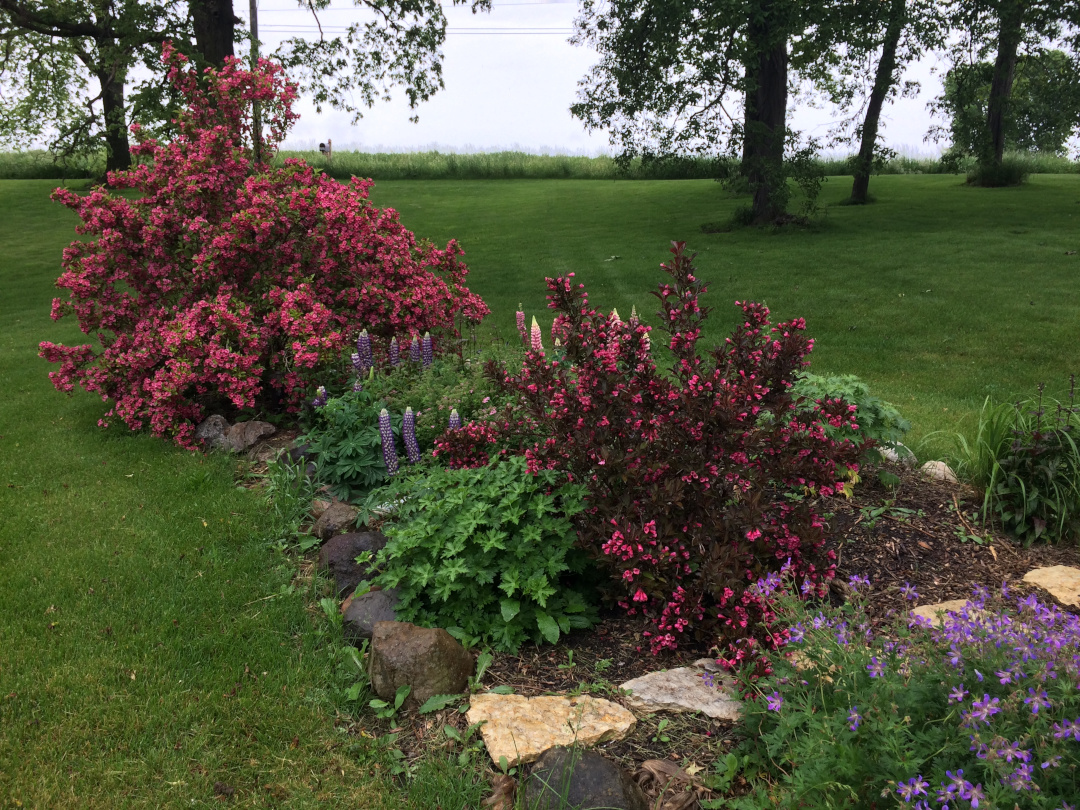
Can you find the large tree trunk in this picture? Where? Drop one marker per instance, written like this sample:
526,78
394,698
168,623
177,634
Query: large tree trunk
883,82
213,22
116,134
766,118
1010,34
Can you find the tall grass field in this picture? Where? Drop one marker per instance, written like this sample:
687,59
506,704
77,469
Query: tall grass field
511,165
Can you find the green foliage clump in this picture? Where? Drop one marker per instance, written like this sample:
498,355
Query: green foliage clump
487,553
1010,172
877,419
344,438
433,392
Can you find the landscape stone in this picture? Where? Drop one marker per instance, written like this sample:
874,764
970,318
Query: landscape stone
361,613
521,728
936,613
338,556
337,518
898,454
583,780
938,471
1062,581
429,660
210,433
318,506
684,690
243,435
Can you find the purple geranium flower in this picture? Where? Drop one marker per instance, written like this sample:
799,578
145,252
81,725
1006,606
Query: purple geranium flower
877,668
774,701
915,786
908,590
854,718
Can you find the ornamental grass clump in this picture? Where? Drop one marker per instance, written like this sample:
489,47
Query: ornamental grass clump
983,711
701,481
223,281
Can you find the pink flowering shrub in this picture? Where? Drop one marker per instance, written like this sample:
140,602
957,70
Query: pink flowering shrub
700,482
228,280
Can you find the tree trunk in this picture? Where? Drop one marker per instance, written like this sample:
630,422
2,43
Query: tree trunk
213,22
1010,33
116,134
766,120
883,82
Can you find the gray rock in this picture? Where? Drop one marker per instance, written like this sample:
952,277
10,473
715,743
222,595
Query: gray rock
899,454
337,518
938,471
684,690
583,780
429,660
338,556
210,433
361,613
243,435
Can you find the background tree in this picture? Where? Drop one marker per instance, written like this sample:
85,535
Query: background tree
671,76
55,51
1006,30
1044,107
875,43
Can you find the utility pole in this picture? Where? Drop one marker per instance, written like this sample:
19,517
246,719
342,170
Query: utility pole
256,113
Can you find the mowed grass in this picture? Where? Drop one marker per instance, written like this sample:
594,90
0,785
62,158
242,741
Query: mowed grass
937,295
149,645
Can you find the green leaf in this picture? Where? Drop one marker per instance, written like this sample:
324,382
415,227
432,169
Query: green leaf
549,628
437,702
510,609
503,689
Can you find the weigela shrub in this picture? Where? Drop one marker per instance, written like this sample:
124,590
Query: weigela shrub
486,553
877,420
225,279
701,481
983,711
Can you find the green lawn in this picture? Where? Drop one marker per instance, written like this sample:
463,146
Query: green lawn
937,295
142,660
146,648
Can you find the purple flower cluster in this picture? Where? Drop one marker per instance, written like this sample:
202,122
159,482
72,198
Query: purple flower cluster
321,398
455,420
1021,724
427,349
363,359
389,450
395,353
408,433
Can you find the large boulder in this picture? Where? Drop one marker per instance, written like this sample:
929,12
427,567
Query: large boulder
244,435
938,471
360,614
210,433
584,780
429,660
337,518
337,557
521,728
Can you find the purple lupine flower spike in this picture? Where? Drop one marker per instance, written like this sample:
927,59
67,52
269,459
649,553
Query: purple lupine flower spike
363,348
357,386
455,420
414,350
357,363
428,349
395,354
389,451
408,433
321,397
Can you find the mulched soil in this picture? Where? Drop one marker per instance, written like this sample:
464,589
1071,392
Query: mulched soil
918,532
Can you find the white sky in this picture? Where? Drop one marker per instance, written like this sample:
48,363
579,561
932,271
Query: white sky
510,77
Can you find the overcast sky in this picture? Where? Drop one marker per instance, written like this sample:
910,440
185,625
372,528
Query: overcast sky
511,76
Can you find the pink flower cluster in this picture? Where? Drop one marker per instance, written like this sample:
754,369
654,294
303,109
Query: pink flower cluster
701,481
231,280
